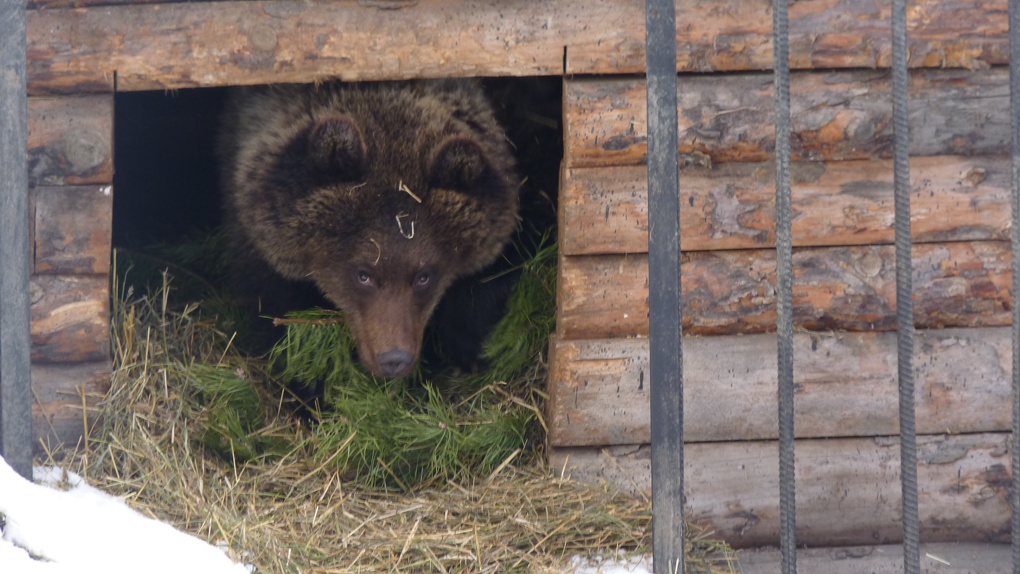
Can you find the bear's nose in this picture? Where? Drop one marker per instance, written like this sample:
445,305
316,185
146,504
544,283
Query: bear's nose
394,362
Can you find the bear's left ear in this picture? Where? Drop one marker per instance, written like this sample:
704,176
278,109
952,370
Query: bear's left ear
458,163
336,148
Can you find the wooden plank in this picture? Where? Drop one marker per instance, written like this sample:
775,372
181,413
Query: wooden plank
848,490
731,206
72,230
736,35
65,398
70,140
598,389
940,557
70,318
841,115
229,43
961,284
54,4
226,43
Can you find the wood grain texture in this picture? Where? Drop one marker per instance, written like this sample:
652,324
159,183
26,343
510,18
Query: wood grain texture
848,490
65,398
959,284
70,318
846,386
940,557
167,46
72,229
70,140
732,205
231,43
840,115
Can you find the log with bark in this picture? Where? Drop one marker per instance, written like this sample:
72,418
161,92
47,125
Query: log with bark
845,386
848,490
177,45
957,284
732,206
840,115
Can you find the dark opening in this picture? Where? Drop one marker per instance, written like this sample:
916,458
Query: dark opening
166,181
167,191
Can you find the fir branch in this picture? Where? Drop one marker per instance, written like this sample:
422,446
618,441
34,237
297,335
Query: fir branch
278,321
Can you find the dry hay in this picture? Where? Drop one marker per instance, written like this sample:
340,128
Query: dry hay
285,513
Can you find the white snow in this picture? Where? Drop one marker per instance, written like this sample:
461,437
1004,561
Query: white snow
86,531
622,563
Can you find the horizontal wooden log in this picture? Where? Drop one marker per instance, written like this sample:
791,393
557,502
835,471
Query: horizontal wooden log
231,43
70,318
732,206
70,140
961,284
848,490
65,401
940,557
846,386
841,115
226,43
72,230
54,4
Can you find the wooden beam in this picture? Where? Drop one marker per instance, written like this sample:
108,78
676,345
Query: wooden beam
72,230
231,43
169,46
70,140
70,318
731,206
847,489
598,389
841,115
960,284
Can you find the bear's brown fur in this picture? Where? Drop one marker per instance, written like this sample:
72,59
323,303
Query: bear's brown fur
381,194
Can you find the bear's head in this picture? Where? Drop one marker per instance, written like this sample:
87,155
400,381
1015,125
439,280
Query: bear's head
383,200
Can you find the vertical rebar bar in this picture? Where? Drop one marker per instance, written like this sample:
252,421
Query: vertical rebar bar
666,353
904,291
1014,108
15,367
784,290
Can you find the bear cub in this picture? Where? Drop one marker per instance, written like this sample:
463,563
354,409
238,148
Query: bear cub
378,195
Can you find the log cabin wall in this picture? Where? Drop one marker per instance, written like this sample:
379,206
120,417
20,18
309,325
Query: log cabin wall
70,204
80,51
844,285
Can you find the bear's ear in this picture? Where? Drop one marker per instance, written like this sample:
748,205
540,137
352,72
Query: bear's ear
336,148
458,163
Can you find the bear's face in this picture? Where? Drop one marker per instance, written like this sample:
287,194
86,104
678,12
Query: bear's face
387,291
383,198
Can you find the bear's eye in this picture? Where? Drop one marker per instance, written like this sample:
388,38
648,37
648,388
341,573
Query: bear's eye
422,279
364,278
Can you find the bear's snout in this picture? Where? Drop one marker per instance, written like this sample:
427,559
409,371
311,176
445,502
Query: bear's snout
395,362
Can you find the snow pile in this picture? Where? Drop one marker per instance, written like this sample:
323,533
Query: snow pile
622,563
84,531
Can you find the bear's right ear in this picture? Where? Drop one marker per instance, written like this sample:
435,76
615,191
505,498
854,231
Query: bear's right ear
458,163
336,148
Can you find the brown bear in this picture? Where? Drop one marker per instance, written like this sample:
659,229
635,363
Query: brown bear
380,194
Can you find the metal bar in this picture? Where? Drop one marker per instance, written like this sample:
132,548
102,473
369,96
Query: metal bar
666,360
15,368
904,291
784,291
1014,105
